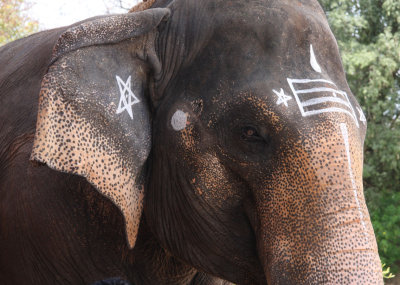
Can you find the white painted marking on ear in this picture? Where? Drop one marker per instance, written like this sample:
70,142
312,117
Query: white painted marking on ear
362,116
345,135
282,98
179,120
127,99
313,61
317,96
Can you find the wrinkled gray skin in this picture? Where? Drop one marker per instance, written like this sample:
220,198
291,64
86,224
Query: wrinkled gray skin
222,163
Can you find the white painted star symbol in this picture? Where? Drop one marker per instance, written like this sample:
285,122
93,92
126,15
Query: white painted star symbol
362,116
282,98
127,99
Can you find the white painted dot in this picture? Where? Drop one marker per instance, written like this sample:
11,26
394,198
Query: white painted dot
179,120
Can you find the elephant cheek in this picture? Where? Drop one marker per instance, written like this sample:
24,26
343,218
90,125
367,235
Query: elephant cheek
315,226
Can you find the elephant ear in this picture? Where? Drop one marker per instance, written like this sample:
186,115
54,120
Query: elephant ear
93,118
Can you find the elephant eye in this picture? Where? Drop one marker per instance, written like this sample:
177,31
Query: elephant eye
251,134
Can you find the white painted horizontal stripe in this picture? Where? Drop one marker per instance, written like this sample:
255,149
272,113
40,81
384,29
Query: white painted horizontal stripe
317,90
310,81
327,110
321,100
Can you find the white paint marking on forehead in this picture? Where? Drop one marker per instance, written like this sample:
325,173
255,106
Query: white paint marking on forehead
313,61
345,134
179,120
362,116
317,96
127,99
282,98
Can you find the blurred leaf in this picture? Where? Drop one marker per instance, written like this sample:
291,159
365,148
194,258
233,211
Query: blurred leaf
386,272
14,21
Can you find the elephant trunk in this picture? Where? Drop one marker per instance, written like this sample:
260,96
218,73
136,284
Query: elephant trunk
314,226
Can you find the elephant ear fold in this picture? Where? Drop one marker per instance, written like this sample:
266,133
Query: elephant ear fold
93,118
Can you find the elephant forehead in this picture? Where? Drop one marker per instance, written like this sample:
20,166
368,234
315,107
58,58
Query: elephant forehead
271,18
303,81
276,35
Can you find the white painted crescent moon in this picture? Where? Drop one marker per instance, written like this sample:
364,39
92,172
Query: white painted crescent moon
313,61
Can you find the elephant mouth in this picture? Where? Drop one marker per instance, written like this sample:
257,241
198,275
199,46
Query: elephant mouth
213,242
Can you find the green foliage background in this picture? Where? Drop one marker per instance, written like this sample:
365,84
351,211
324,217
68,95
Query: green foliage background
368,35
14,20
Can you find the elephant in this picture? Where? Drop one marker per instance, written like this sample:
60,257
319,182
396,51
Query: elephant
112,281
186,142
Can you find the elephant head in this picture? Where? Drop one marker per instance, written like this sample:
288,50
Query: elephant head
230,125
